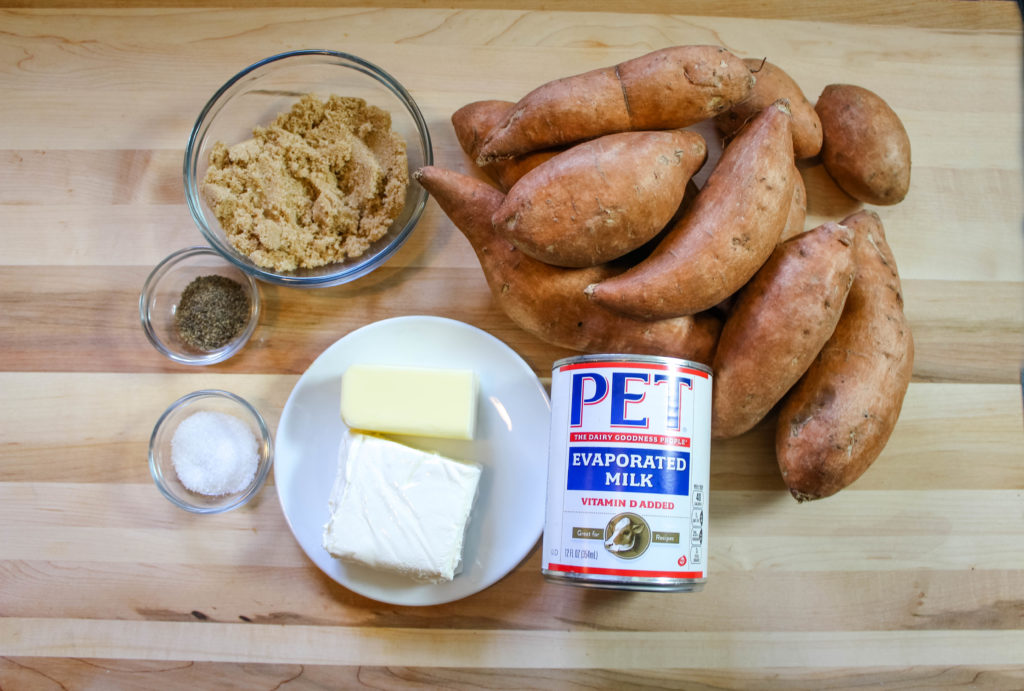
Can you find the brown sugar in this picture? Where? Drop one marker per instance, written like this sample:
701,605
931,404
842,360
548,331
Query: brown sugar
318,185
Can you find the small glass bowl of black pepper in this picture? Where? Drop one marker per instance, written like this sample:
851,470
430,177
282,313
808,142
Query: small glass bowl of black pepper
197,308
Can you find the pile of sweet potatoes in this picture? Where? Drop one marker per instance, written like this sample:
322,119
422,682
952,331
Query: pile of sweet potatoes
595,238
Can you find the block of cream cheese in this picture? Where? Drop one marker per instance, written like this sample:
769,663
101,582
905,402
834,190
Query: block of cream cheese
428,402
400,509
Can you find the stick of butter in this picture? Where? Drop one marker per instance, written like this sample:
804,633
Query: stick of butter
421,401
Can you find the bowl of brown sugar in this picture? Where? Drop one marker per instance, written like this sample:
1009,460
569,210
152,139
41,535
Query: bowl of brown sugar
197,308
298,169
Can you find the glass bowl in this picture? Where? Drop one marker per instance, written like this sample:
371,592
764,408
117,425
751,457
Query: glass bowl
161,294
161,464
262,91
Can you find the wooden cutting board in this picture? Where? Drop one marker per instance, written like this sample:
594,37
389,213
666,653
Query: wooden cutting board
913,575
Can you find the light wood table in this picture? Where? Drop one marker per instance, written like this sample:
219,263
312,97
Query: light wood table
913,576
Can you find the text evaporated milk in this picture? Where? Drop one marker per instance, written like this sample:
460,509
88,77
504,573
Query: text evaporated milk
628,472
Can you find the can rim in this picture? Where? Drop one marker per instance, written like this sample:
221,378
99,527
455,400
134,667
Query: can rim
630,583
632,358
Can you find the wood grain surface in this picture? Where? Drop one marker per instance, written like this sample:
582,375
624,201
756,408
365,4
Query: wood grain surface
911,578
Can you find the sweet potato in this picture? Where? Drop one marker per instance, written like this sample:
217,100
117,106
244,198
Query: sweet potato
644,251
548,301
600,199
797,210
866,149
778,324
835,422
772,84
667,89
728,233
473,121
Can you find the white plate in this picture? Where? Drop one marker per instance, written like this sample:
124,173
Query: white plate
510,444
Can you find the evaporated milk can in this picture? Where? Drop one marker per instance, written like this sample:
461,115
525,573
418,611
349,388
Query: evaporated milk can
628,472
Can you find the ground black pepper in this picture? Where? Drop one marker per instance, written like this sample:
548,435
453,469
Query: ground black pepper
211,312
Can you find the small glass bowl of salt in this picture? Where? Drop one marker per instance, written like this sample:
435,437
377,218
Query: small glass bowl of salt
210,452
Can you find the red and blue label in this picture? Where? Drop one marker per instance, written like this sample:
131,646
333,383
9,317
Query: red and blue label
629,428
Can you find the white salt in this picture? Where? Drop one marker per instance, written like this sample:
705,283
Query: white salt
214,453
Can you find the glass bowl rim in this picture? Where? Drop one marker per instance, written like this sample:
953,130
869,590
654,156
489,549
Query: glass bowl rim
262,470
214,356
213,105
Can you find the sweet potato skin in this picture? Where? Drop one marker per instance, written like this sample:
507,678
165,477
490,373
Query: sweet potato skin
778,324
472,123
865,148
600,199
772,84
797,209
835,422
667,89
727,234
682,84
548,301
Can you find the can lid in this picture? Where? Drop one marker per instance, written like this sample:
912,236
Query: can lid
629,358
